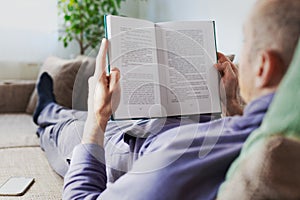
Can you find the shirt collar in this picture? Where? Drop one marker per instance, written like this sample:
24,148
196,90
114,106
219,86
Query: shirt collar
254,113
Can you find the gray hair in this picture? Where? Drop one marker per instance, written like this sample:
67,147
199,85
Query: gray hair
276,26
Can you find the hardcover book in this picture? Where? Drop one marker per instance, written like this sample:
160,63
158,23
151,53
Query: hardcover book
166,68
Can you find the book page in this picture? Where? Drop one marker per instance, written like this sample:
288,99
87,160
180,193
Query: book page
187,53
133,50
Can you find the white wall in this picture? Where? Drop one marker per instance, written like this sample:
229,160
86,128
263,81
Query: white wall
29,34
229,16
130,8
26,29
29,30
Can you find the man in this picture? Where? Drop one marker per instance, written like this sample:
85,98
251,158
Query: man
179,158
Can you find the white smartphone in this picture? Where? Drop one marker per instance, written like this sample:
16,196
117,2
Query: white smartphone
16,186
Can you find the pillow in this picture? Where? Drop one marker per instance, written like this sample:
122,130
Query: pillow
271,171
15,95
80,89
63,73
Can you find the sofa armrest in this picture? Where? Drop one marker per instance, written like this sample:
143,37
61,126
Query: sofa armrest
14,95
271,171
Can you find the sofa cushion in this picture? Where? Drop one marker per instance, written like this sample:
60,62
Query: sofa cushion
15,95
63,73
31,162
80,89
17,130
271,171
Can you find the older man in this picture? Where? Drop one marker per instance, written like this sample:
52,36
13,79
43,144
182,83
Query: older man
179,158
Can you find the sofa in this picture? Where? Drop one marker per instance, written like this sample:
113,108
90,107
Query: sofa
272,175
20,152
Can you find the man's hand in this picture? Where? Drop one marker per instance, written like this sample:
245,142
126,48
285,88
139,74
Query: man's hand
229,86
103,98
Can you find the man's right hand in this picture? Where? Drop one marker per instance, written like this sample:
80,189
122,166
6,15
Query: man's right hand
229,86
103,98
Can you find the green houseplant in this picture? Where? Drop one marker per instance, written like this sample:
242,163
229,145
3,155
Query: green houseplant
83,21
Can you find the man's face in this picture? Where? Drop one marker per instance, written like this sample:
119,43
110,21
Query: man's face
246,68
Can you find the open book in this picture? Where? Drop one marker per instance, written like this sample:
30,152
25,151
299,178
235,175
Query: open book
166,68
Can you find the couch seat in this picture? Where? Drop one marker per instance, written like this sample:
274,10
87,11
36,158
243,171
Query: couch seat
21,155
17,130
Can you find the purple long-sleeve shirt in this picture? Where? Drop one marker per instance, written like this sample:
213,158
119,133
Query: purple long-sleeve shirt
184,162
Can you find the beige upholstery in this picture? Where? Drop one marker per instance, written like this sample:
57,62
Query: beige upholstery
270,172
14,95
80,89
31,162
21,155
70,79
63,73
17,130
20,152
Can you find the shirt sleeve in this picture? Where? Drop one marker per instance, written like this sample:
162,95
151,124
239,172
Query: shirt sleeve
86,177
188,166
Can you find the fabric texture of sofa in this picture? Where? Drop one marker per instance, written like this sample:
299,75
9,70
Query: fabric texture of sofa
20,152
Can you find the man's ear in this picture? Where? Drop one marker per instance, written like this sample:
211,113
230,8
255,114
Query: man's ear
268,71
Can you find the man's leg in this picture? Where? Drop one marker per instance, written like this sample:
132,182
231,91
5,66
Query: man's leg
125,140
61,129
